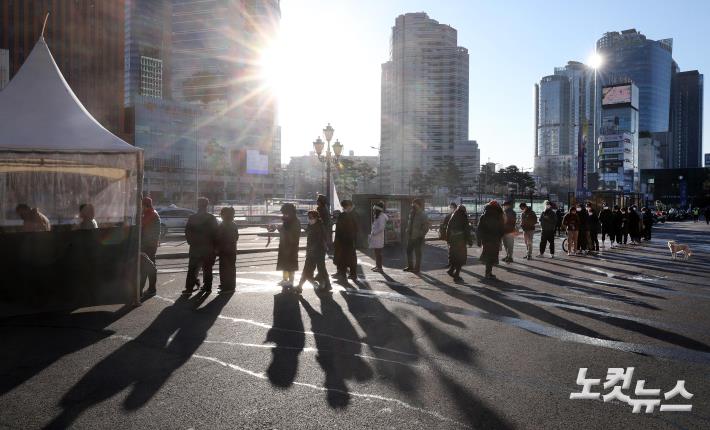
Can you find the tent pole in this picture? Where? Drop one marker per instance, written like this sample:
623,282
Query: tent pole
139,203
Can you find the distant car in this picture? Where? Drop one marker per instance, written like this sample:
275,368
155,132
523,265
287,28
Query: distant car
173,218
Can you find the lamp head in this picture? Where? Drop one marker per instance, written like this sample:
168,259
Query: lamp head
328,132
337,148
318,145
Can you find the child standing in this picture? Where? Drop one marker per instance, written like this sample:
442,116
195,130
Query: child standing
226,244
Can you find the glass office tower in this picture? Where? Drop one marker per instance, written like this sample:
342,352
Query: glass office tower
618,152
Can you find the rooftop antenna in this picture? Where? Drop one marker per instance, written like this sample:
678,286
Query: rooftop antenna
44,25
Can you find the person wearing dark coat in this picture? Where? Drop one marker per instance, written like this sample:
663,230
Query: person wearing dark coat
625,225
571,223
326,221
289,236
226,247
548,224
345,242
488,234
458,236
528,220
315,255
150,237
707,215
606,219
200,233
592,228
647,223
618,225
417,228
444,224
634,226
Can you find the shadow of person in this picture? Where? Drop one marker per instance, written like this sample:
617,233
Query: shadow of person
339,359
31,343
144,363
390,340
288,336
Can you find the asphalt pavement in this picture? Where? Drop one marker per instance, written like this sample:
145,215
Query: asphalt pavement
392,350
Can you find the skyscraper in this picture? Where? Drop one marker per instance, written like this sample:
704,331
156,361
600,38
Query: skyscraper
686,120
618,148
86,38
564,107
4,67
630,56
424,122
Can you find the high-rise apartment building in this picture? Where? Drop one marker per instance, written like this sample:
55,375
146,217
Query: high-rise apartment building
424,122
564,116
686,120
630,56
86,38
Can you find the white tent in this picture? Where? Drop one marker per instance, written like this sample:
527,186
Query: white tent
54,155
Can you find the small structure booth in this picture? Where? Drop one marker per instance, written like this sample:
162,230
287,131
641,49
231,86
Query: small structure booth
54,157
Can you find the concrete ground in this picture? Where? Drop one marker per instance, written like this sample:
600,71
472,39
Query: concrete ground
393,350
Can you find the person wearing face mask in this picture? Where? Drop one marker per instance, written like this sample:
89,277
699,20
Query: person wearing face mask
624,225
289,236
376,240
316,244
571,223
528,219
548,223
417,228
593,228
634,226
444,225
606,219
458,238
618,223
345,241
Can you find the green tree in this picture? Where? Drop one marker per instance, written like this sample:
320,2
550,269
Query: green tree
513,175
419,183
447,175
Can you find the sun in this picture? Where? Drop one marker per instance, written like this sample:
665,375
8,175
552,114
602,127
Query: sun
272,65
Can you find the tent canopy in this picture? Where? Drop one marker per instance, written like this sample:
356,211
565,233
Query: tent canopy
55,156
40,113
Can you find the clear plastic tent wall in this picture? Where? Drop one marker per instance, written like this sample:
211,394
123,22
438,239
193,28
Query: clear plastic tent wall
55,156
58,183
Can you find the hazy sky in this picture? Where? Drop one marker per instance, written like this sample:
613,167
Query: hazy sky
332,51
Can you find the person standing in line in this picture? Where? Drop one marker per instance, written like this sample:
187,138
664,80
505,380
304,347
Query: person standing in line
634,226
326,221
528,220
509,230
707,215
315,255
592,228
86,215
624,225
32,219
548,223
560,214
696,214
606,219
345,243
647,223
489,233
571,224
200,233
150,238
226,247
458,236
376,240
618,223
289,237
583,236
417,228
444,225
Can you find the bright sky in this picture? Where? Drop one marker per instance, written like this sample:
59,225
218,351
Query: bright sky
332,51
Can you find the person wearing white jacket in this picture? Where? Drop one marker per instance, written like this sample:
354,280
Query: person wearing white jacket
377,234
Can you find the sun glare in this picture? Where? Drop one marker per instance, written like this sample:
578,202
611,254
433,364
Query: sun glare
272,65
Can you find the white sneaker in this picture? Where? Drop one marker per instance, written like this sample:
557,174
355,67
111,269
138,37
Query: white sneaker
552,256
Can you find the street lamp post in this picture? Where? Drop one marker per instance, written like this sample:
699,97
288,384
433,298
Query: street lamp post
329,156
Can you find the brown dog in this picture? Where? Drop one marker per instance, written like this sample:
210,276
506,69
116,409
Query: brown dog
677,248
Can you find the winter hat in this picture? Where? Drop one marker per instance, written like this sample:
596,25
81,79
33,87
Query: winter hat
378,207
493,203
